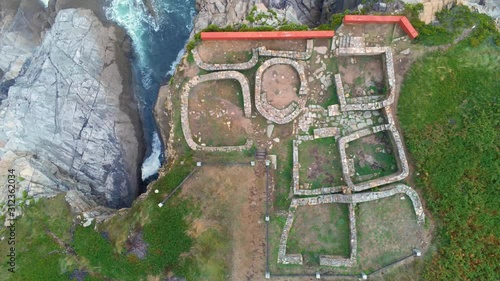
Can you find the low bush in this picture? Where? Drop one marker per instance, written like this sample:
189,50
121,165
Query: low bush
450,25
449,114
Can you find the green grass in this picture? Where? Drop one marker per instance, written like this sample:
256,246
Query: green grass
323,156
450,117
283,175
190,58
315,233
451,25
164,231
33,243
386,162
209,260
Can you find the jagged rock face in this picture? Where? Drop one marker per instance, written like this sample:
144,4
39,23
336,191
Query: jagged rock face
21,27
220,12
316,12
489,7
229,12
67,122
431,7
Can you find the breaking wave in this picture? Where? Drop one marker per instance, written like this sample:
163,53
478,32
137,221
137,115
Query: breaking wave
159,30
152,163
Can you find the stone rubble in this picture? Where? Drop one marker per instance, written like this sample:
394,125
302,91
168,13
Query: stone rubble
288,54
279,116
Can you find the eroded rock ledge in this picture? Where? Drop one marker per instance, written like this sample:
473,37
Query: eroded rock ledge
69,122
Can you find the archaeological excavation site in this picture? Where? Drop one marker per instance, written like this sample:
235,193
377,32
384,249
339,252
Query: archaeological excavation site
309,118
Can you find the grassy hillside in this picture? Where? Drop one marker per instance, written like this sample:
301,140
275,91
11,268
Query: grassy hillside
450,117
52,246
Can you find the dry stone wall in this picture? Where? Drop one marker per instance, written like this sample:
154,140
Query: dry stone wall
350,104
401,160
279,116
282,256
225,66
222,75
366,197
353,118
350,199
288,54
295,172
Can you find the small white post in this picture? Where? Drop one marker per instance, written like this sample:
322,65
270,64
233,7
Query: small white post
417,252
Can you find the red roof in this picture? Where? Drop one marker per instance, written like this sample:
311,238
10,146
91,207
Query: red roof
401,20
266,35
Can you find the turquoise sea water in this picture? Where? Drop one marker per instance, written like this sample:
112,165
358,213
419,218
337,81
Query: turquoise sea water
158,39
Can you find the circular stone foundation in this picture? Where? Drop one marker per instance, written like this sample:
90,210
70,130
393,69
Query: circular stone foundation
281,82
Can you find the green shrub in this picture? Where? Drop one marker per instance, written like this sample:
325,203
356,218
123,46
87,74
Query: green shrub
449,114
190,46
451,24
325,26
292,27
336,20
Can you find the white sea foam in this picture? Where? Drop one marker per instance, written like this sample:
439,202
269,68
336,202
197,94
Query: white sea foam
135,18
152,163
141,26
45,3
174,64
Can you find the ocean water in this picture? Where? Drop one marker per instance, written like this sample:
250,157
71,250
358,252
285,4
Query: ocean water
158,38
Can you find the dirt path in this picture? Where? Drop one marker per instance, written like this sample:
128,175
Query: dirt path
248,232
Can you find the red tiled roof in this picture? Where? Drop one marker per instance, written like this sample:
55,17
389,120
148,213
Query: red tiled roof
266,35
401,20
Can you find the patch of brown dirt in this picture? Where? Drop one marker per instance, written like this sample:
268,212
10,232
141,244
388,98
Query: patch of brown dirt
216,114
220,51
232,198
189,70
281,83
362,73
387,231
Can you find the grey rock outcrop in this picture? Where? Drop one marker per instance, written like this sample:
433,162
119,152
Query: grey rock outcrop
220,12
316,12
69,121
431,7
21,28
489,7
230,12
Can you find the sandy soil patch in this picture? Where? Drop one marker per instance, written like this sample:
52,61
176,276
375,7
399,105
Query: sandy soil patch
227,51
281,83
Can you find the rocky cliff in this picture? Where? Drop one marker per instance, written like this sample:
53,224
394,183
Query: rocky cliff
68,121
431,7
229,12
